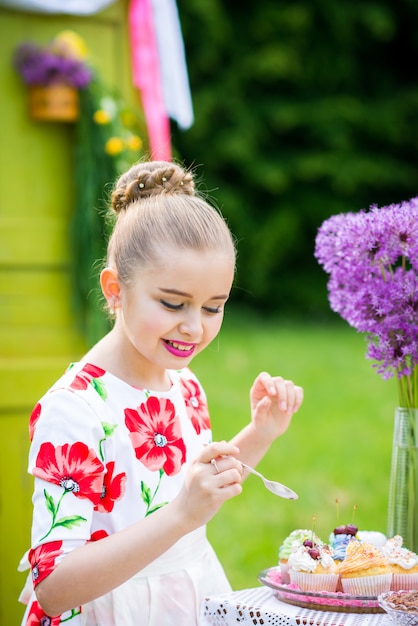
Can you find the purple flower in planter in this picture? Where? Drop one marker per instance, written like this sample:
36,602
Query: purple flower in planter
372,261
43,66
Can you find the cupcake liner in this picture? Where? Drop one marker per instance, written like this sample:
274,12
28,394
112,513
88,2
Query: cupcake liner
407,582
314,582
284,571
367,585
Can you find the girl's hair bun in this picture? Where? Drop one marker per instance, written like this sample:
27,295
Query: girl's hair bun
144,180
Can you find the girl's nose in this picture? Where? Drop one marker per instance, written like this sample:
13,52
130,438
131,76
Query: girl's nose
192,325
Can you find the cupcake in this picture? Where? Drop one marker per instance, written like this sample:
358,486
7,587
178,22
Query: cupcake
403,564
313,568
365,570
296,538
340,538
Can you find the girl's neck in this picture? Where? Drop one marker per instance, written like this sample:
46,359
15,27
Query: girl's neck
108,355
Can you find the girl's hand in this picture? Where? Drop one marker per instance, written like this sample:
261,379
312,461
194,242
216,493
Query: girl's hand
273,402
214,476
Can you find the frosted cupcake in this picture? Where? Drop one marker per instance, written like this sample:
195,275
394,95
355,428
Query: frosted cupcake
403,564
296,538
340,538
365,570
313,568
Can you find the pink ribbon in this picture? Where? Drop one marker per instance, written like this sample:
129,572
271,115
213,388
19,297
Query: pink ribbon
147,78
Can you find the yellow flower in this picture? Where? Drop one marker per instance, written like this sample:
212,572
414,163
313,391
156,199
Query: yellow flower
114,146
101,117
72,43
134,143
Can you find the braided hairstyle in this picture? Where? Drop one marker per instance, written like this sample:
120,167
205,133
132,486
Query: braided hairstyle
157,206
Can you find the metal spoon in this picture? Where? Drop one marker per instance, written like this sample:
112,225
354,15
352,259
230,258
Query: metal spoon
277,488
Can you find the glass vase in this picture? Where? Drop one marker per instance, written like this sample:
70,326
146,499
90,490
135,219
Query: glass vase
403,487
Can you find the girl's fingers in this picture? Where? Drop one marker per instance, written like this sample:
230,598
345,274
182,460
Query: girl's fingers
268,383
228,477
225,464
220,460
296,398
299,397
289,395
217,449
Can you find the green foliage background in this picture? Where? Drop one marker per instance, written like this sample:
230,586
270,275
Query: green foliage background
303,109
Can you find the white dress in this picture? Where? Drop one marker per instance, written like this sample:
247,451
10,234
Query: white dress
105,454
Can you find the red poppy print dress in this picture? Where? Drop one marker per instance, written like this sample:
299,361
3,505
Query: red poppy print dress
103,455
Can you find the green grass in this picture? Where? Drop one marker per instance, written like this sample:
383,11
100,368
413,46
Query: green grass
338,445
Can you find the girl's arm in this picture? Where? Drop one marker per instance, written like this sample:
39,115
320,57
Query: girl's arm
273,403
98,567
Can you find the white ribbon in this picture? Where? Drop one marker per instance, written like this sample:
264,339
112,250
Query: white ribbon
173,68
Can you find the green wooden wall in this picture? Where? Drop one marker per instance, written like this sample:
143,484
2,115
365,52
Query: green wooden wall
38,335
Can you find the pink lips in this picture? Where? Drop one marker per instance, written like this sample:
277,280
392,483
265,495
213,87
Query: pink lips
186,352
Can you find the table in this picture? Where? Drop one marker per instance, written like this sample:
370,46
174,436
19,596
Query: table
260,607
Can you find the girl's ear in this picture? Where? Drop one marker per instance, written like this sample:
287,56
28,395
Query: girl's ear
110,286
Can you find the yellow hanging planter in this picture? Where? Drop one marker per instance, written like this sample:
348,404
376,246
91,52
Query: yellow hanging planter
53,103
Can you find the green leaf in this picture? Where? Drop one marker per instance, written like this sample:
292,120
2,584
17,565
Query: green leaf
108,428
68,522
100,387
50,504
155,508
74,613
145,493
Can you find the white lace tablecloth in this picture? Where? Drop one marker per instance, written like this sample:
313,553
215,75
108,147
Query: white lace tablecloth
259,606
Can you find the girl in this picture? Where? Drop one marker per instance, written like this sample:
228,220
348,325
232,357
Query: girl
126,474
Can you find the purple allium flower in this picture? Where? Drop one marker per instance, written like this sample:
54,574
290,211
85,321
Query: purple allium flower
372,261
42,66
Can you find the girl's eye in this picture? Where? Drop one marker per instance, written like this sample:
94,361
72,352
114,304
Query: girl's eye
214,311
172,307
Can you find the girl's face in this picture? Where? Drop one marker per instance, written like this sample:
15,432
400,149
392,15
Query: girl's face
172,310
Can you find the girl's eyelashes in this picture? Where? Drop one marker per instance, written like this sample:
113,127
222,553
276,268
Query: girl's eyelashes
172,307
178,307
210,310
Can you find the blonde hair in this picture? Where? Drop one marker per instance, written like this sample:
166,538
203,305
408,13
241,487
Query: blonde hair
157,206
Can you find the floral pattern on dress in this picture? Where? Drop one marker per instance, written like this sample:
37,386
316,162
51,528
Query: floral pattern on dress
34,417
155,434
148,495
196,405
90,375
42,560
38,617
98,534
113,489
78,447
108,430
77,470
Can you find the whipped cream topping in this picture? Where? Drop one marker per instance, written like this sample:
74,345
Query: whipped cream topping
375,537
398,555
301,561
296,538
